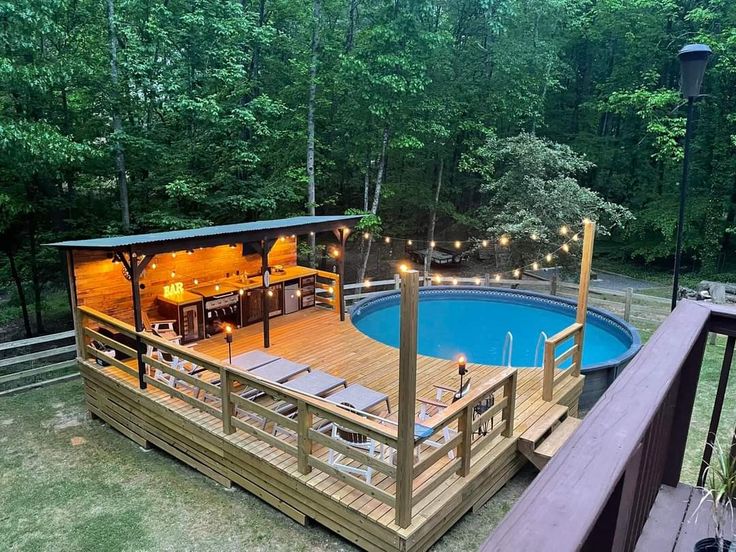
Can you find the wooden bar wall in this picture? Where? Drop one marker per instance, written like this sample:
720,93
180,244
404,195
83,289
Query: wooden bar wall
101,285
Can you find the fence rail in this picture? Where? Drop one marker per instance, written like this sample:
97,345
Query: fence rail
554,371
305,423
21,370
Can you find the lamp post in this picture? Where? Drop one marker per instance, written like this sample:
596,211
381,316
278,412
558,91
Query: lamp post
693,60
461,370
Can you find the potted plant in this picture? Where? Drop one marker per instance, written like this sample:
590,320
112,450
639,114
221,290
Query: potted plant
719,489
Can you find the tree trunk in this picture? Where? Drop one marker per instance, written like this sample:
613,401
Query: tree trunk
367,180
117,123
433,220
352,18
311,184
21,294
376,200
35,280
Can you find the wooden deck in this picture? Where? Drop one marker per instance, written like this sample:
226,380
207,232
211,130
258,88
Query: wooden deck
317,338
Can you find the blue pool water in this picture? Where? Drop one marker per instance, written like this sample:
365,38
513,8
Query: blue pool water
474,323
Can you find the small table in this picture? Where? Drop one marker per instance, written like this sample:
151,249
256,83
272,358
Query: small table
359,397
315,383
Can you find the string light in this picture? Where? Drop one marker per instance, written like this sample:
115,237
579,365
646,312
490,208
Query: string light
484,243
331,290
173,255
217,287
548,257
196,281
457,244
366,236
241,291
270,293
504,240
409,242
173,274
535,266
336,253
438,279
534,237
298,293
403,267
565,248
576,237
153,266
564,230
282,238
517,272
189,251
454,281
477,281
367,283
497,277
432,244
387,239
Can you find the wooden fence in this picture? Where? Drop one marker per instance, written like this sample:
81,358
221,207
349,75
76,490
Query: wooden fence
218,392
33,362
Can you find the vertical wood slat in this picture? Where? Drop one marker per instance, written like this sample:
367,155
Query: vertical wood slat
304,421
465,427
510,393
549,371
582,311
228,411
407,397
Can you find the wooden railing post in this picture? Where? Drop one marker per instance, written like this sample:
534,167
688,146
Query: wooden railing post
226,386
510,393
553,285
549,371
585,267
397,281
304,422
465,427
407,397
627,303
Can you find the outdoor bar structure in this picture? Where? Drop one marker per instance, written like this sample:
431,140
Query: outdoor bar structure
216,347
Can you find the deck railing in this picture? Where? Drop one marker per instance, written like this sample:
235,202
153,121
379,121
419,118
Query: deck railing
299,435
554,371
597,491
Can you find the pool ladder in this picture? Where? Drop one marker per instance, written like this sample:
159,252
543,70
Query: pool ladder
508,347
540,344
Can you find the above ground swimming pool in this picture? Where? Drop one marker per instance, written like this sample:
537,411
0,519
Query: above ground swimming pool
475,322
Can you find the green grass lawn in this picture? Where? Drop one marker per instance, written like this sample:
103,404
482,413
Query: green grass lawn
71,483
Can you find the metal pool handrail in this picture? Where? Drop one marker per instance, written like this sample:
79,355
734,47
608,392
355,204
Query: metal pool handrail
508,345
540,344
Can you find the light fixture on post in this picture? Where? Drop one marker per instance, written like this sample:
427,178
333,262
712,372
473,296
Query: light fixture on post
693,60
229,341
462,369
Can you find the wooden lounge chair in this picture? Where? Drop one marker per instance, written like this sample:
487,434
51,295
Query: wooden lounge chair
355,440
431,407
165,329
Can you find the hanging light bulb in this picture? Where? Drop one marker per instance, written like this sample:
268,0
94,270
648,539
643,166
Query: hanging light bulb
454,281
336,252
269,293
331,290
366,236
565,248
196,281
241,291
517,272
504,240
153,266
564,230
497,277
282,238
535,266
217,287
457,244
576,237
548,257
534,237
477,281
173,273
387,239
432,244
293,236
173,255
438,279
409,242
403,267
484,243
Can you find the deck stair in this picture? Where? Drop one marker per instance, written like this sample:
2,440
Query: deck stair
546,436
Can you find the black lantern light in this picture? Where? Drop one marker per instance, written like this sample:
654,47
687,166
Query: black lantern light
229,340
693,60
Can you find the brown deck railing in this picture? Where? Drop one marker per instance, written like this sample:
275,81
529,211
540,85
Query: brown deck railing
302,432
597,491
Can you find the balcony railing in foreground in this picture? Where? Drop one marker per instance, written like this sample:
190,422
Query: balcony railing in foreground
597,491
218,392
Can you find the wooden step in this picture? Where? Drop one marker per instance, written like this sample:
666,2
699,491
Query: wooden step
544,425
557,438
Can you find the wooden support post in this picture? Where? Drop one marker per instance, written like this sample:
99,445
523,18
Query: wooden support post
397,281
548,381
342,235
407,397
553,284
264,296
585,267
465,426
627,303
134,270
77,317
304,422
510,393
226,387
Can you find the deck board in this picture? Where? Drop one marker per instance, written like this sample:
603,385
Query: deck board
316,337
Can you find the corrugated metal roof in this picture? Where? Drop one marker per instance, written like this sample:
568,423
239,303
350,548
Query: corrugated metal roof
263,228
